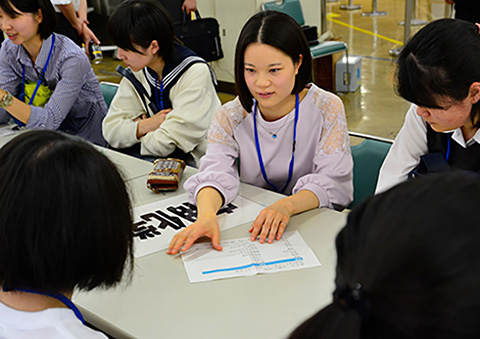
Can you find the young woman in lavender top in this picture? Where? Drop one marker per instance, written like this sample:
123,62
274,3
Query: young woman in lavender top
46,81
281,133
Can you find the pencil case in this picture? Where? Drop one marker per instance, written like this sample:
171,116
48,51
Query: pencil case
166,174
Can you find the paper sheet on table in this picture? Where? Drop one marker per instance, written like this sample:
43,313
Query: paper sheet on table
6,130
156,223
243,257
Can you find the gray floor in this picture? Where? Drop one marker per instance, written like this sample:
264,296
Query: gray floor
375,108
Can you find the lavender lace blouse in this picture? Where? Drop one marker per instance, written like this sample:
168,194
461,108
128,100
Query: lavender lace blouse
323,161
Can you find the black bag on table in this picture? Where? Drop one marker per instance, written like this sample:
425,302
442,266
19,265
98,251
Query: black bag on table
201,36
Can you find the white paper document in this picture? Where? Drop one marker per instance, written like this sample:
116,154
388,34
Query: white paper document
156,223
6,130
243,257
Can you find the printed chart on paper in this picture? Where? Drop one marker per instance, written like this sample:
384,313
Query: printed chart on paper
243,257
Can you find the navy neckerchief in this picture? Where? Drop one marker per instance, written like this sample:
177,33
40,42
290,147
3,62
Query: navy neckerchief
259,152
173,70
159,103
41,79
60,297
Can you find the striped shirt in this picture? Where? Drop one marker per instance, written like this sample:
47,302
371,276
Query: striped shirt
76,106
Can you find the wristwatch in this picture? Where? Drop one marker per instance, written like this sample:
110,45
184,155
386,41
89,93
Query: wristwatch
7,100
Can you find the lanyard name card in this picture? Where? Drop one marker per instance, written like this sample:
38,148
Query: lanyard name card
259,152
41,79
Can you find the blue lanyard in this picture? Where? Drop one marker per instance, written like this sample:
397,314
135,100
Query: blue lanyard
159,104
259,152
41,78
57,296
448,147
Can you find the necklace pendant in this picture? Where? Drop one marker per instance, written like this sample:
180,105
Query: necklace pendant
274,136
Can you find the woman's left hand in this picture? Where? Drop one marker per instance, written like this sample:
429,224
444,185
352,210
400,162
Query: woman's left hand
272,221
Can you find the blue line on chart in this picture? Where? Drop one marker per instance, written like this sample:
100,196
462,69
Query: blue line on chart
253,264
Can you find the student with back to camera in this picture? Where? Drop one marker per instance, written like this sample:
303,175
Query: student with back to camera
46,81
438,72
407,265
65,225
172,119
288,135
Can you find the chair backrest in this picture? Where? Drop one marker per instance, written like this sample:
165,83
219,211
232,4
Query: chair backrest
109,89
368,157
290,7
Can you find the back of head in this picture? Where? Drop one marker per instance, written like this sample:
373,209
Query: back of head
407,265
278,30
65,219
439,62
140,22
49,21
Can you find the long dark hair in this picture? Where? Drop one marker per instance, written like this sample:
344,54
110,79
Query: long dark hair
408,265
49,21
278,30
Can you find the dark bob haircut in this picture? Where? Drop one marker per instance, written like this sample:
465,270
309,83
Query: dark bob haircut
140,22
440,63
65,217
47,26
278,30
408,265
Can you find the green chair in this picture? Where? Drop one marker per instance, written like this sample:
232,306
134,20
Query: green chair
294,9
290,7
109,89
368,157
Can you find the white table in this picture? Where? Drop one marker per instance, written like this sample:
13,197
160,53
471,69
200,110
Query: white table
160,302
131,168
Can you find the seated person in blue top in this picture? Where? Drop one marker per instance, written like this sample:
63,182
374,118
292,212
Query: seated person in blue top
65,225
438,72
407,265
46,81
171,118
